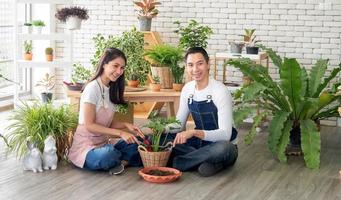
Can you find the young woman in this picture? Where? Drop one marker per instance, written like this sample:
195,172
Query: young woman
93,146
211,146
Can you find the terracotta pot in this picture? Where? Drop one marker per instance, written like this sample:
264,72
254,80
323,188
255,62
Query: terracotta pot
144,173
178,86
28,56
155,87
49,58
132,83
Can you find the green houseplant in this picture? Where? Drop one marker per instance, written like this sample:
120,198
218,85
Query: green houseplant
38,26
154,152
155,85
164,57
28,50
146,13
48,83
131,43
35,122
296,103
193,35
72,16
49,54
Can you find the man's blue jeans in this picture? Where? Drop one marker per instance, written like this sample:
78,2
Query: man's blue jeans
109,156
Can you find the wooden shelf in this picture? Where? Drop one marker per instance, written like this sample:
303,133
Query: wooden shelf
38,63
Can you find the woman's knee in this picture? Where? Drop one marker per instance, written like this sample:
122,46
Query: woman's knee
103,158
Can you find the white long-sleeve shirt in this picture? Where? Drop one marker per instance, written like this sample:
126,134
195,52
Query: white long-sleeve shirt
222,99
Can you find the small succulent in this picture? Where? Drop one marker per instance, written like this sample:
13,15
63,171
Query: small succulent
49,51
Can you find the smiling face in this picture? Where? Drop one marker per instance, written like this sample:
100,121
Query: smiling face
197,67
113,69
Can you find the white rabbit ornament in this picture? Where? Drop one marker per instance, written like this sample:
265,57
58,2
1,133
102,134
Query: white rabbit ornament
50,158
33,159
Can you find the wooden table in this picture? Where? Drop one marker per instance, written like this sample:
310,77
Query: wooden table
168,96
223,56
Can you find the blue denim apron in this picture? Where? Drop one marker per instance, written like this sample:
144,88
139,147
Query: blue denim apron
205,116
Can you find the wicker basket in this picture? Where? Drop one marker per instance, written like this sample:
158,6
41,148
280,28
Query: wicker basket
151,159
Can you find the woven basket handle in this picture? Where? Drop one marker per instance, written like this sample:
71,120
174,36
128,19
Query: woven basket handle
142,148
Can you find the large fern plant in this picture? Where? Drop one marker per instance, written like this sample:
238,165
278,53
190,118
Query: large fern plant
297,101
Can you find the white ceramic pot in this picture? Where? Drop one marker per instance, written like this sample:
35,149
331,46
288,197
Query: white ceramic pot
73,23
37,29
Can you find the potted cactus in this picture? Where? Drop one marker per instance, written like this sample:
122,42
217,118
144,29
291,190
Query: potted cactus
133,80
155,85
49,54
28,50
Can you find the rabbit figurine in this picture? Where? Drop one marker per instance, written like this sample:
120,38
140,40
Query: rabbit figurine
50,158
33,159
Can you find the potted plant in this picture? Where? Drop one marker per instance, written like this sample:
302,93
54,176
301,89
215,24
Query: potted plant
162,57
152,151
248,35
35,122
72,16
80,75
49,54
38,26
251,47
48,84
133,80
295,103
155,85
146,13
178,75
28,50
28,27
131,43
194,35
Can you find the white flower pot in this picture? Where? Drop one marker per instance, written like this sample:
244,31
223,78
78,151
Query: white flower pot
37,29
73,23
27,29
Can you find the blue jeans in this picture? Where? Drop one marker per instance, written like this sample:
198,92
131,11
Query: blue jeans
109,156
186,157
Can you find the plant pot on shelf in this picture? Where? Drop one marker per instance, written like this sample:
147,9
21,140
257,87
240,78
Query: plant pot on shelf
73,23
145,23
252,50
155,87
27,29
133,83
165,75
178,86
37,29
49,58
74,86
236,47
151,159
28,56
46,97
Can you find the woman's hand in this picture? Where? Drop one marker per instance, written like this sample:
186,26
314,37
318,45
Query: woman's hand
128,137
183,136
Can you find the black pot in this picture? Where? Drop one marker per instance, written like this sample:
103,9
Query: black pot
295,136
46,97
252,50
75,87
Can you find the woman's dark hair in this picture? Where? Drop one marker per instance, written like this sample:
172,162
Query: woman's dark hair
194,50
116,88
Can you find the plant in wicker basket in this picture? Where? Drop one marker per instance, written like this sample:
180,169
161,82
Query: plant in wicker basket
152,151
36,122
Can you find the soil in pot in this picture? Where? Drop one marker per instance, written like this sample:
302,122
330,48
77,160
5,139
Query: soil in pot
157,172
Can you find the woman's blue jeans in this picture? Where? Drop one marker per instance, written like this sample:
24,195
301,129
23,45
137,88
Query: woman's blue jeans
109,156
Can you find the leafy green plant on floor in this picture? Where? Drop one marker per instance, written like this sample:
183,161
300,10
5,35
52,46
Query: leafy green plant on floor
295,103
132,44
35,122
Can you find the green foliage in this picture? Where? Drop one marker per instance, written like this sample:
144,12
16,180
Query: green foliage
297,101
157,125
194,35
80,74
156,79
165,55
35,122
28,46
132,44
122,108
38,23
48,51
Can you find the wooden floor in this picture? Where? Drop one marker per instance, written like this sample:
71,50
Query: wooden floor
256,175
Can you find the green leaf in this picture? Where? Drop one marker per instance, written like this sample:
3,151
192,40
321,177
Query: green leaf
257,120
276,59
327,80
240,114
311,143
304,82
291,84
284,141
275,130
316,74
251,91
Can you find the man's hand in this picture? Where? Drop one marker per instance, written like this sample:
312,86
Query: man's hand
183,136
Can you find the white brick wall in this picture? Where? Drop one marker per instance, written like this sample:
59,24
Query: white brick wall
290,27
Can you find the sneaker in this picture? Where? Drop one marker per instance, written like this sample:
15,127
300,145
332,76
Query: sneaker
208,169
119,169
